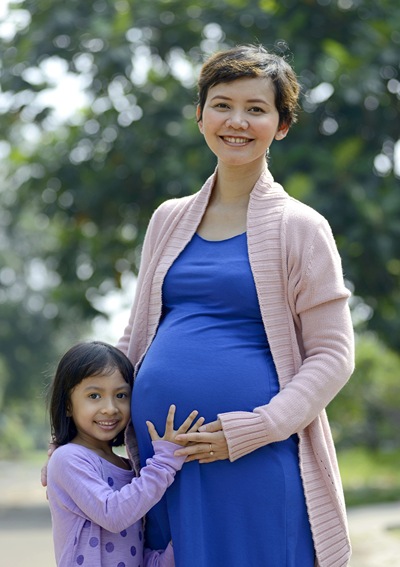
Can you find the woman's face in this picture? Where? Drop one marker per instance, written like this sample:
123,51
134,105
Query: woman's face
240,120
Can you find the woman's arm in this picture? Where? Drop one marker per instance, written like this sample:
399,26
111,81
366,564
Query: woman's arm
327,343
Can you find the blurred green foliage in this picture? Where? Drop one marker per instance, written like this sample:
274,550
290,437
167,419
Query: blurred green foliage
370,477
80,178
367,411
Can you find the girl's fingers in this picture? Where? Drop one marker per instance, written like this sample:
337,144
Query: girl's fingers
188,422
196,425
43,475
169,424
152,430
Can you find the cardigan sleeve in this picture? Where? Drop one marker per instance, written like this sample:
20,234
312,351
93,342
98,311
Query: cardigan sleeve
154,233
146,253
327,344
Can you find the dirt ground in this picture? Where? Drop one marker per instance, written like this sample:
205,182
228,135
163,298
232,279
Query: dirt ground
25,524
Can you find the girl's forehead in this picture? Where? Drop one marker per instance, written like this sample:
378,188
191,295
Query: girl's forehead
110,378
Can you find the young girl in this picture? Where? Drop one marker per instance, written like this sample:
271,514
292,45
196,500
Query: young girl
96,499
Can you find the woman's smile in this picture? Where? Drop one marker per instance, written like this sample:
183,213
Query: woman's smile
241,114
236,141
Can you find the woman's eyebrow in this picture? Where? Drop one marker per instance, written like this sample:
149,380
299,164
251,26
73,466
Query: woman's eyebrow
259,100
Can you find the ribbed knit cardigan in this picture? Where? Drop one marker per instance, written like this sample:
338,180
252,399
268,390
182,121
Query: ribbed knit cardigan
304,306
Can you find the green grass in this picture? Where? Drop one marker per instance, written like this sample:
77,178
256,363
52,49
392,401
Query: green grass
370,477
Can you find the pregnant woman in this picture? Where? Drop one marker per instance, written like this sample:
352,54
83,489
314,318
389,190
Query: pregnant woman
241,312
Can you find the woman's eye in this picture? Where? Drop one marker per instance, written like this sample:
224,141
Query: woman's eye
221,105
94,396
122,395
256,109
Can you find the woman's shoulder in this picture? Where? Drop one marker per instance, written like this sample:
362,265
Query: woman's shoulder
299,217
171,205
175,205
297,210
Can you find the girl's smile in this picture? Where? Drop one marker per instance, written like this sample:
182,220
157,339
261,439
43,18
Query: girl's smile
107,425
100,408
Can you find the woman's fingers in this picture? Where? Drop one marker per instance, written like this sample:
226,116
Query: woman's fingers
212,426
205,447
196,437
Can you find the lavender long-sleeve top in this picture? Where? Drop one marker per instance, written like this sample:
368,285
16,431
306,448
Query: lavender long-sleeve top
97,507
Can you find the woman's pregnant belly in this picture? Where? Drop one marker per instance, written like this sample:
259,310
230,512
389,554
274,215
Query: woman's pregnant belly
216,368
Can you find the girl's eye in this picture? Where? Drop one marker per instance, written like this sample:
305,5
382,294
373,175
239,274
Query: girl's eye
122,395
94,396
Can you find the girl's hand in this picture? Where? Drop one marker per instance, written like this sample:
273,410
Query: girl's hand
43,472
188,426
207,445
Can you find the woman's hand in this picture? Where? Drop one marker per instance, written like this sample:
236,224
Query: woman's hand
207,445
170,434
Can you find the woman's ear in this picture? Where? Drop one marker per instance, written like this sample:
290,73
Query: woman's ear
198,118
282,131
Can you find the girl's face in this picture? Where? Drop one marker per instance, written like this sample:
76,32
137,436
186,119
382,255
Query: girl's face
240,120
100,408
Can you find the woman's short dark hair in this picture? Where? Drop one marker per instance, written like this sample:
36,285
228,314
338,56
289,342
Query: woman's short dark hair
83,360
249,61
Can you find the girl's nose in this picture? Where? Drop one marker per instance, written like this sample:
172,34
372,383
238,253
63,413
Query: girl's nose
109,407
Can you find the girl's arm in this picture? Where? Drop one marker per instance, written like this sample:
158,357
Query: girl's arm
75,481
159,558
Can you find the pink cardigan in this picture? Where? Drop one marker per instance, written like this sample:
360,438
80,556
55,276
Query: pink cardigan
304,306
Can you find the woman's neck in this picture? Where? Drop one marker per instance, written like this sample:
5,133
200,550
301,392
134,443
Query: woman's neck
234,184
226,213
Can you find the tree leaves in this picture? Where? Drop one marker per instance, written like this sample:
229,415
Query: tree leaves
82,170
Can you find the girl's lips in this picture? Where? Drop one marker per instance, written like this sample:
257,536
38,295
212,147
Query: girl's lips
107,424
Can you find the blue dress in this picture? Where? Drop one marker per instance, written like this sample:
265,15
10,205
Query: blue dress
211,353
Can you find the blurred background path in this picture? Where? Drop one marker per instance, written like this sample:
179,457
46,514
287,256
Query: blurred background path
25,526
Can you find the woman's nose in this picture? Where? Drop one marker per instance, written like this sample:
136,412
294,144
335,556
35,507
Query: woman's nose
237,121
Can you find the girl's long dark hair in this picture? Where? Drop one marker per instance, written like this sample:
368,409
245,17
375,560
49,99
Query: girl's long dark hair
79,362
